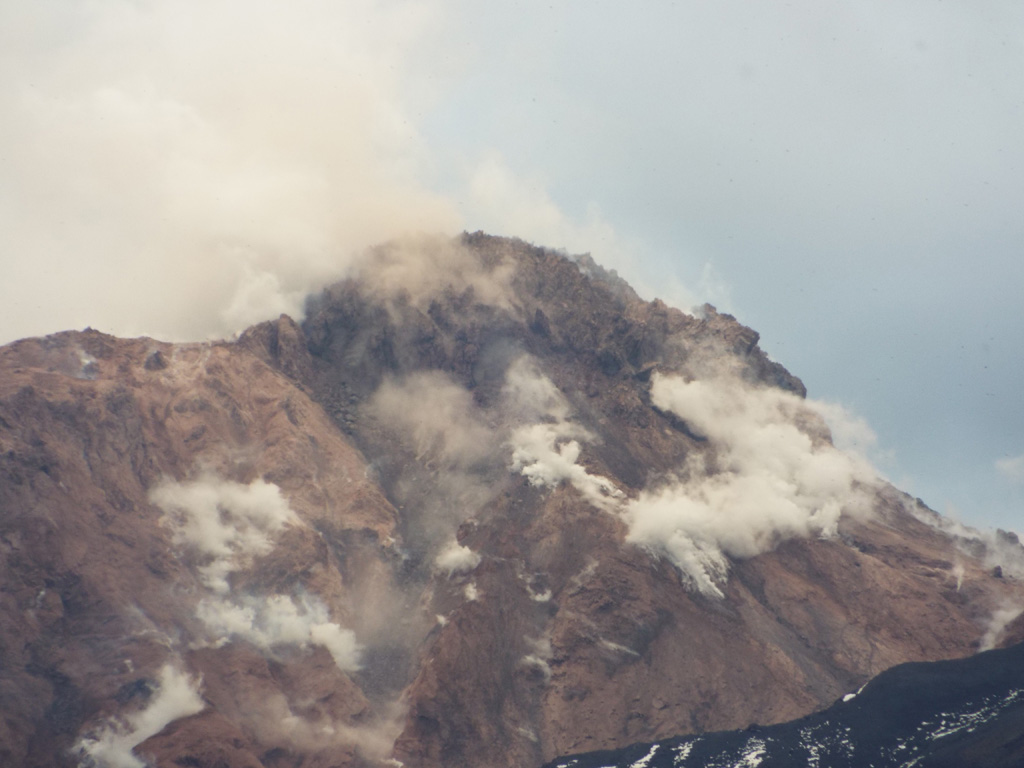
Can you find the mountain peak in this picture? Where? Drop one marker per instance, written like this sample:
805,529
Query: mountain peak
482,506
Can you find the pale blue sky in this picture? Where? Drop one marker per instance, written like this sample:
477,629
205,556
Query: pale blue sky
851,174
845,177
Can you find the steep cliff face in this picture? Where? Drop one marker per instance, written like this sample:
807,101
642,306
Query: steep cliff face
484,507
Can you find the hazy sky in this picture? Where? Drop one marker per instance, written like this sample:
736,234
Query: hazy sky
845,177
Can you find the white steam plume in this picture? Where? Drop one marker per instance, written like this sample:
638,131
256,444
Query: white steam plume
275,621
219,158
547,450
779,477
229,524
176,696
997,624
457,559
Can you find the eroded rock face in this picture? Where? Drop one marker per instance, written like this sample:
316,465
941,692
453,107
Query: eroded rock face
439,523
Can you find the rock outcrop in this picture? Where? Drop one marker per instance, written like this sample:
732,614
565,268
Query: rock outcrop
438,523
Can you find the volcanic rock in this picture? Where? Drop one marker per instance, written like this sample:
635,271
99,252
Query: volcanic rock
406,530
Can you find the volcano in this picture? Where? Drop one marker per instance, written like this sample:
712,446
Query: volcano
483,506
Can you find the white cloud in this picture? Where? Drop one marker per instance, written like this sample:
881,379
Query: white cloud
1012,468
177,695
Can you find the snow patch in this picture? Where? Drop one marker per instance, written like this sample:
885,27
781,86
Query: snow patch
644,761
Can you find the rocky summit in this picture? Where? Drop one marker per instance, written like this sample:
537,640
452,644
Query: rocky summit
483,507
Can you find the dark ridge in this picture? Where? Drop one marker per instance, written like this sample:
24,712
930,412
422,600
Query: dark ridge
943,714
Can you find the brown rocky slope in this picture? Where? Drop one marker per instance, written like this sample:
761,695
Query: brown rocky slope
483,508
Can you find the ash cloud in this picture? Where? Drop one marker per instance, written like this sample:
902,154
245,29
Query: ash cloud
112,745
775,475
454,462
221,160
437,415
418,268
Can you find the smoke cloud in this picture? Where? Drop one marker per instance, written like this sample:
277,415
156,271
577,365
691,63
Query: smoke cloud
1000,620
419,268
502,200
455,460
311,728
775,476
177,696
546,454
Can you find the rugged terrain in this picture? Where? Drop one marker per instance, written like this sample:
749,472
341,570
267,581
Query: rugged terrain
940,714
484,507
